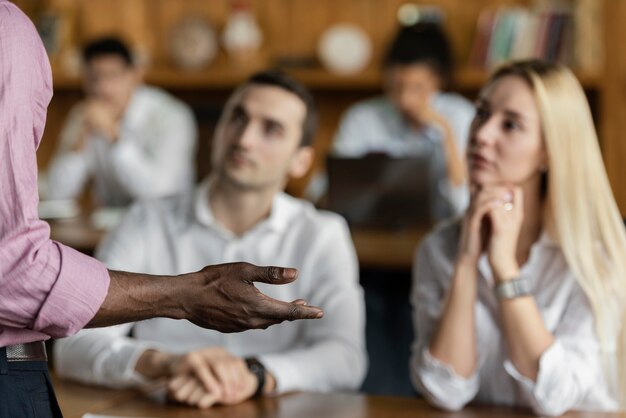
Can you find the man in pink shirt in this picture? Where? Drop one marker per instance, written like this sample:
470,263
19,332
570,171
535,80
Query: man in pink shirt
50,290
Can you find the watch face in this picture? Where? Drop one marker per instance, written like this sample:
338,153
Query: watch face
255,366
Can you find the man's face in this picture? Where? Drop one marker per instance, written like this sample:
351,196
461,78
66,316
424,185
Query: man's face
257,144
411,87
110,79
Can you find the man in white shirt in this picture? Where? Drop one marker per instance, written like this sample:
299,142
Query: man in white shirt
133,140
240,213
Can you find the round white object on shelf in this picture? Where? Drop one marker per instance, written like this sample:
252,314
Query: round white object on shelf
408,14
242,33
192,43
345,48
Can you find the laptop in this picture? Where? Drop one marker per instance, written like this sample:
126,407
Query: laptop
380,191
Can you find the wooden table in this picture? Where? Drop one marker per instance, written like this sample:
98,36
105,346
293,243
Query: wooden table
76,400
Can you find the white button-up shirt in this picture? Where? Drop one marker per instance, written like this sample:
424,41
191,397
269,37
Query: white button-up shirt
154,155
177,235
571,372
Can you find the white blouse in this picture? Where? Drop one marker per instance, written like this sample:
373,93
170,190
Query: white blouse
571,371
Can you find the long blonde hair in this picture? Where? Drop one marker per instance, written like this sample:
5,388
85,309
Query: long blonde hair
580,210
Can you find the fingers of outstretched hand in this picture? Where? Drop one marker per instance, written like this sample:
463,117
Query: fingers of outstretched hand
270,274
278,311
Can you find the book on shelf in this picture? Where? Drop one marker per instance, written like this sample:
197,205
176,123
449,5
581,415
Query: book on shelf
552,31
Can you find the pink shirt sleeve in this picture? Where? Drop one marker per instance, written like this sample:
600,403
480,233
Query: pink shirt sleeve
46,289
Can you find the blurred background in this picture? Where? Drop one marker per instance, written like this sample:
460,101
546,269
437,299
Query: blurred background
335,47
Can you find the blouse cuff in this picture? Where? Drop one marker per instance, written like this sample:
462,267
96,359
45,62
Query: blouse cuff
541,393
446,388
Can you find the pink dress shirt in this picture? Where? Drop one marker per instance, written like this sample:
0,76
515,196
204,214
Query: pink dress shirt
46,289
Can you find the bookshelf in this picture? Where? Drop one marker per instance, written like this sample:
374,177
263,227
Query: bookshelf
291,29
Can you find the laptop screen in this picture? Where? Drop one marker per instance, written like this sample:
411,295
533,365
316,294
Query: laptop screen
380,191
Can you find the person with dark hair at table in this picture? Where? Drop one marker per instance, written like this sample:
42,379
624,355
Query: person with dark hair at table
416,117
50,290
132,140
239,212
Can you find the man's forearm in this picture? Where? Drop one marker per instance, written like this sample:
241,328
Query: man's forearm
221,297
135,297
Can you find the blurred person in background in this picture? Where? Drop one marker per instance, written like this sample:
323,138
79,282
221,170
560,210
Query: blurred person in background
239,213
415,117
133,141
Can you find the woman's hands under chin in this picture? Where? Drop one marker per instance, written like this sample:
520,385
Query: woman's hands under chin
492,223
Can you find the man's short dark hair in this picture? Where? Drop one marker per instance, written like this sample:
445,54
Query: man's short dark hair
423,43
280,79
107,46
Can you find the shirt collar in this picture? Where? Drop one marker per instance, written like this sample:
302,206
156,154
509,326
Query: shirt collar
281,212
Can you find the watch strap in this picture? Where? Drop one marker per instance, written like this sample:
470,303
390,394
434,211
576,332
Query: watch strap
258,370
513,288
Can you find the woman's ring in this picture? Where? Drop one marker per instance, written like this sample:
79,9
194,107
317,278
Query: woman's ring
508,206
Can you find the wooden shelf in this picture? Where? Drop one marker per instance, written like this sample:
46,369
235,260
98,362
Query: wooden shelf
225,77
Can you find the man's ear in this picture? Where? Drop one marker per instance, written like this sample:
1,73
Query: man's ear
301,162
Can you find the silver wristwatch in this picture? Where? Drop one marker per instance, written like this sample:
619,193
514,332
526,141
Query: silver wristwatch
513,288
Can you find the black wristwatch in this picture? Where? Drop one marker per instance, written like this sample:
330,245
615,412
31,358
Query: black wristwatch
258,369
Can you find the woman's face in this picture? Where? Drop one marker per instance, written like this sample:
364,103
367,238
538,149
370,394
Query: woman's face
411,87
505,143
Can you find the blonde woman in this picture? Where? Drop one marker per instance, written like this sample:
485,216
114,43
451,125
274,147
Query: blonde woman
519,302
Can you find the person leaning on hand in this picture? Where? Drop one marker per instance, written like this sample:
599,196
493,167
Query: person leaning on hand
50,290
416,117
126,140
521,302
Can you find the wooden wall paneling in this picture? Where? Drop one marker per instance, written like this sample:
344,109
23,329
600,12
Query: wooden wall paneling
294,27
128,19
613,100
274,19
